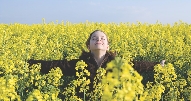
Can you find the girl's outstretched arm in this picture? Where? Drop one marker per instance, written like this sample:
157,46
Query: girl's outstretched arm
67,67
144,66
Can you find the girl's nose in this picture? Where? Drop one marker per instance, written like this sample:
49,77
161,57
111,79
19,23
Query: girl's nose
98,39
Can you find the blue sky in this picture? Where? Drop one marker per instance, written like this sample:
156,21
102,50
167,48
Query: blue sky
76,11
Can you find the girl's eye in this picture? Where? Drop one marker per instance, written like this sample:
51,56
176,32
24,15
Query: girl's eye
102,38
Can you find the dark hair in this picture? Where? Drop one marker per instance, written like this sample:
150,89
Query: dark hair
88,40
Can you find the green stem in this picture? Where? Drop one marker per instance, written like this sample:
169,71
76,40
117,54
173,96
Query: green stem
84,96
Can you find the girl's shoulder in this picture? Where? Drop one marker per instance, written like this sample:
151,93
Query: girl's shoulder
111,55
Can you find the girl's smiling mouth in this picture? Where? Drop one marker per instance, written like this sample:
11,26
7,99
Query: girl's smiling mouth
98,43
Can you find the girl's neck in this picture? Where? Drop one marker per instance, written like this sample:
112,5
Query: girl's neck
98,56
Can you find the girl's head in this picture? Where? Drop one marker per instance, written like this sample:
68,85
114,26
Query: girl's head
97,40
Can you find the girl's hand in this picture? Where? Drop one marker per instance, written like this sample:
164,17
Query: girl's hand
162,63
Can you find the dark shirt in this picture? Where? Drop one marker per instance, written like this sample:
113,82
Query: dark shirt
68,67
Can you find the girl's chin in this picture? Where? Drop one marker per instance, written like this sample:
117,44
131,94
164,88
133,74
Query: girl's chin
99,49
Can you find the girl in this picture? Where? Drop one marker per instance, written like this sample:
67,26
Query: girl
98,56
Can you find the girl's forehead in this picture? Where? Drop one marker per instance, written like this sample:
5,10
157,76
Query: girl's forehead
98,33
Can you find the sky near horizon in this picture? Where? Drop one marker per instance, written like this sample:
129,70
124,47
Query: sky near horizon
106,11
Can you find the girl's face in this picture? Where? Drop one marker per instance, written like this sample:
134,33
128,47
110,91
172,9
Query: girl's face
98,41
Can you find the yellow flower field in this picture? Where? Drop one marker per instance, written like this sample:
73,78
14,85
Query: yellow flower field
140,41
